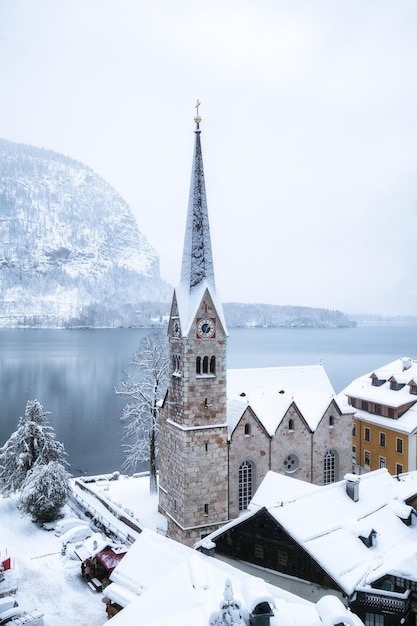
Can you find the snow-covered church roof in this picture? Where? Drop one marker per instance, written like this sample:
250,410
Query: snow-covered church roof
270,392
197,269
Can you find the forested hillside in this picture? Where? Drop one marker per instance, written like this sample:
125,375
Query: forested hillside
70,250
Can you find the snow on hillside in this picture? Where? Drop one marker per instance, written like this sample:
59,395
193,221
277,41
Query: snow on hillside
68,241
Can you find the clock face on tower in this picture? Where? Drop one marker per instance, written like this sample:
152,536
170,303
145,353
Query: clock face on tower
206,327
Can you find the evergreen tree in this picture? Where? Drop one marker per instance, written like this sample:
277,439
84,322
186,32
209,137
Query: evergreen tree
229,613
33,443
141,414
44,491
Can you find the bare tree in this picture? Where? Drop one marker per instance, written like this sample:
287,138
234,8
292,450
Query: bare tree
145,388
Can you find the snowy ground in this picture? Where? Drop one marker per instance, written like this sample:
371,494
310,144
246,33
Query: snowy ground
49,581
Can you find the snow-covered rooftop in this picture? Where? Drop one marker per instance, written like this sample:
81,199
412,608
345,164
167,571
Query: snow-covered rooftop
178,585
271,391
404,372
327,523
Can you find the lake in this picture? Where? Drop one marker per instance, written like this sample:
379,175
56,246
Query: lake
73,373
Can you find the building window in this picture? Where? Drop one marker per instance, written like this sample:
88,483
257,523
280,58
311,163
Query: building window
213,365
282,557
259,551
291,463
367,458
353,402
247,430
391,412
400,584
399,445
329,467
291,424
378,409
398,469
382,442
331,421
364,405
205,365
198,365
354,454
382,462
367,434
206,509
354,430
245,484
373,619
413,389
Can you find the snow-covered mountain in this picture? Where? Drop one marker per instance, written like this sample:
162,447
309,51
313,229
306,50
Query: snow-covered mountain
70,249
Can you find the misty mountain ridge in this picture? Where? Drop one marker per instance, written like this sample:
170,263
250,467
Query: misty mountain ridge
70,249
71,254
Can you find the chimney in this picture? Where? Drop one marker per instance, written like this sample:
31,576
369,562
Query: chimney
406,361
208,548
352,486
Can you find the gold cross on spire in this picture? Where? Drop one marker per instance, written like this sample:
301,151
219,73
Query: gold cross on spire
197,118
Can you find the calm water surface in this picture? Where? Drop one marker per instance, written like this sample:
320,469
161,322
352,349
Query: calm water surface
73,373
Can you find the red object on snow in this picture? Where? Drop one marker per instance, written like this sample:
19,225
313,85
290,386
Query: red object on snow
7,564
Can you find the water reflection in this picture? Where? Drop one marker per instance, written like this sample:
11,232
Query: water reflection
73,374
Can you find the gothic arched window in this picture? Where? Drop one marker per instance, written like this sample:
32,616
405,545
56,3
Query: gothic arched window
329,467
205,365
198,365
213,365
245,484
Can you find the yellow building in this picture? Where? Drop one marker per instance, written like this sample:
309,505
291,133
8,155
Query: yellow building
385,420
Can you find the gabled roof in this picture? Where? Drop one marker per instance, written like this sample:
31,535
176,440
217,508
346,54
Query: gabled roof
271,391
327,523
403,371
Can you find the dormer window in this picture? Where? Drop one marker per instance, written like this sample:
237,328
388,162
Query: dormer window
377,382
395,385
369,540
413,388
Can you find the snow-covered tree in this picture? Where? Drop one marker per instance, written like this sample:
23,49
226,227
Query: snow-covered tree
229,613
44,491
144,388
33,443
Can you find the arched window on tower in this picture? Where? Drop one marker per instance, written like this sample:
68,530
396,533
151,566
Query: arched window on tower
245,484
205,364
198,365
213,365
329,467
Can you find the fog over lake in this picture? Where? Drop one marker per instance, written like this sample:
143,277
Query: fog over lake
73,373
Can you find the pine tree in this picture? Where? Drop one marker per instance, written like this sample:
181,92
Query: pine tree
33,443
44,491
229,613
141,413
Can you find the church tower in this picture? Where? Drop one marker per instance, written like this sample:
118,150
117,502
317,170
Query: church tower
193,479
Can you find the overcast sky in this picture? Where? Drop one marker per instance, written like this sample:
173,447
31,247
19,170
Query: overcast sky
309,132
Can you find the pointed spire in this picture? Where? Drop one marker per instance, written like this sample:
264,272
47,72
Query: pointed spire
197,260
